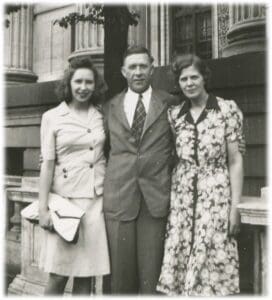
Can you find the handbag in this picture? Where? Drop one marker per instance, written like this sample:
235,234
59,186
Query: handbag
65,216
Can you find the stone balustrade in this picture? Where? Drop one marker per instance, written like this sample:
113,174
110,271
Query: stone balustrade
12,230
11,181
254,213
26,239
30,280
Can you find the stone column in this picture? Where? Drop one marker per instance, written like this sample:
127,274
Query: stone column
18,49
164,32
159,41
138,35
247,29
89,40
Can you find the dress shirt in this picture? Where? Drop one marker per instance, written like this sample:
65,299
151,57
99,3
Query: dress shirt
130,103
77,147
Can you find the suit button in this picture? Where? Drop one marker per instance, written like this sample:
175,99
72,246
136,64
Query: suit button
91,166
88,130
64,170
65,176
91,148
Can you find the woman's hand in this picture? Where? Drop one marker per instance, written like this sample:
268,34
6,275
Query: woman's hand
235,163
234,222
45,220
46,177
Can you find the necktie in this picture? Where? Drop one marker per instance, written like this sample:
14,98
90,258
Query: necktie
138,120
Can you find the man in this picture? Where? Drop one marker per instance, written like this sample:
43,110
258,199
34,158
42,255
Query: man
138,174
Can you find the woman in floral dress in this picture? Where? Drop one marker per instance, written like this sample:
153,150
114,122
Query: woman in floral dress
201,256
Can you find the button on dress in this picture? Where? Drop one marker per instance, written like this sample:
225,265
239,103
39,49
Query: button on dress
79,175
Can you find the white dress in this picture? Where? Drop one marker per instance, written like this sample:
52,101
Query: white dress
77,148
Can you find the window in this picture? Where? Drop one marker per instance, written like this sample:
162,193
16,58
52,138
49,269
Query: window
192,30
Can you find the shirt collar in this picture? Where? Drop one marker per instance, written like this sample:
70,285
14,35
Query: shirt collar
146,94
212,103
63,109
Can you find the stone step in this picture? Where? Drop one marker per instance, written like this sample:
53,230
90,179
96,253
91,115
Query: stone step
31,183
12,180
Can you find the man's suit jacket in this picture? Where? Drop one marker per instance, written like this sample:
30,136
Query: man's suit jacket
133,172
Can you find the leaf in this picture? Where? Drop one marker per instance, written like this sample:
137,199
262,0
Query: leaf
96,15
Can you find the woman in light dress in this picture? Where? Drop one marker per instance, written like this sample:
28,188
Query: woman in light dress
72,141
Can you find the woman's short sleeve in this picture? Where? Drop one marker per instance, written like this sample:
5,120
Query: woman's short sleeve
172,115
47,138
169,115
234,122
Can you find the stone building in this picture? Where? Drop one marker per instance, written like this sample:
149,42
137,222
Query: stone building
232,37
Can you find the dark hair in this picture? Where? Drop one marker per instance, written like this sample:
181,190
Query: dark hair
63,89
137,49
182,61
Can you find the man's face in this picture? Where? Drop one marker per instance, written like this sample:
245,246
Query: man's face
137,69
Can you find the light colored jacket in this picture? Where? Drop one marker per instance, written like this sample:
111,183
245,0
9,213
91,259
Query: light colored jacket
77,148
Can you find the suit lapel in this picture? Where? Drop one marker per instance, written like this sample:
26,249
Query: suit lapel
120,112
156,107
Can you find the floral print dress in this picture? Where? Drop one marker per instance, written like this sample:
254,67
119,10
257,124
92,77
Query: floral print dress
200,258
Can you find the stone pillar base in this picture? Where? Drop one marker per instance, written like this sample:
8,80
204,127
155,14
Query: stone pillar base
246,46
22,286
19,76
25,286
246,36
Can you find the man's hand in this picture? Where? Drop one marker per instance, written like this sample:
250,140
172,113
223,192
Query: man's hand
40,160
242,145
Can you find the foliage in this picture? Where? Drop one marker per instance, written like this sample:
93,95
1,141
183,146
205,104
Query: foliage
10,8
96,15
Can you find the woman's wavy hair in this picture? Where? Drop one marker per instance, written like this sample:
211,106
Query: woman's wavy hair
182,61
63,88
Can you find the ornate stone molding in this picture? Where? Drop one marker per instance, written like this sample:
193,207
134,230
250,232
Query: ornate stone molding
223,27
247,29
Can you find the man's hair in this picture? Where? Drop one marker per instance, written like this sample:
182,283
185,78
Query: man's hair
137,49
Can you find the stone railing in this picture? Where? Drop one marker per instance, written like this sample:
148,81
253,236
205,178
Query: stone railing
30,280
12,230
254,213
23,239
